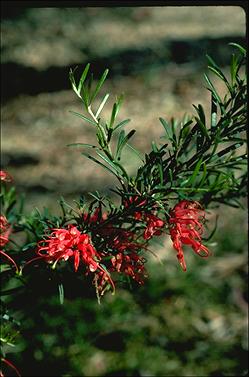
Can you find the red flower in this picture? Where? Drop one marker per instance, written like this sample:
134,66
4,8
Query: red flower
130,264
186,228
5,230
153,223
95,216
66,243
153,226
102,282
5,176
118,238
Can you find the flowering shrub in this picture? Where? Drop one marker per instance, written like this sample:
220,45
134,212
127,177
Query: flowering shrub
175,184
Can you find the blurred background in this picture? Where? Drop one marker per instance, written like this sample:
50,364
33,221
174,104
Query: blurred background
178,324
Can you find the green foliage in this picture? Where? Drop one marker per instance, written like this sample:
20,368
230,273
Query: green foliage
204,156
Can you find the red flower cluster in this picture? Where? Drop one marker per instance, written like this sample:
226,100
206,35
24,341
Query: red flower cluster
5,176
154,224
5,230
186,228
66,243
121,245
70,242
130,264
125,247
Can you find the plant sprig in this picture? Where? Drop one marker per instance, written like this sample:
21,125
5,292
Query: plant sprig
202,157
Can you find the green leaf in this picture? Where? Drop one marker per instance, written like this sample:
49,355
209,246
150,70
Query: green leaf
212,62
86,96
202,181
99,84
107,159
119,101
121,137
29,246
102,105
61,293
96,196
124,173
191,180
121,124
229,149
81,145
185,129
201,114
174,125
115,109
242,50
202,127
217,72
234,68
154,147
83,117
171,176
239,205
101,136
98,162
135,151
216,185
72,80
122,141
160,171
221,76
109,133
115,165
113,115
83,77
167,128
213,90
